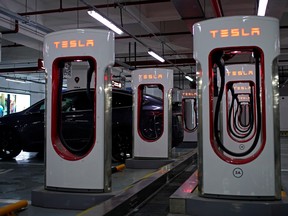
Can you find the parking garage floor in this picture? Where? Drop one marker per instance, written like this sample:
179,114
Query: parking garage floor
20,176
26,173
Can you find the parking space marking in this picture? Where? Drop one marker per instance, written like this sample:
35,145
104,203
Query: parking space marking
3,171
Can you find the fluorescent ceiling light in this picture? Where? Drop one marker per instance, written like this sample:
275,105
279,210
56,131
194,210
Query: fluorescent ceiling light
262,7
189,78
104,21
159,58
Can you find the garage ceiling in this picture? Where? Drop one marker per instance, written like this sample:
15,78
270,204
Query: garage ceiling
163,25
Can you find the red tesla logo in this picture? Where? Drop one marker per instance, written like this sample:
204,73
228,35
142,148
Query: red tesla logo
235,32
73,44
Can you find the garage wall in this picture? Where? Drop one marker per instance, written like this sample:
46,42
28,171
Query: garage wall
36,91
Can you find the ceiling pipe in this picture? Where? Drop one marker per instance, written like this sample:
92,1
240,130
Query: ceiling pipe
155,34
16,29
174,62
125,57
217,8
136,39
24,20
61,9
144,24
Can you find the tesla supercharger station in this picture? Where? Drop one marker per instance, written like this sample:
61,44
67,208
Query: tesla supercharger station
247,166
84,164
189,114
152,128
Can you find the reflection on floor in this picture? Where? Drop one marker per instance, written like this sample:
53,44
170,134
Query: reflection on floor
26,156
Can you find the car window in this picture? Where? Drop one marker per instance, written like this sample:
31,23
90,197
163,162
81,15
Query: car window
77,101
121,99
67,104
37,108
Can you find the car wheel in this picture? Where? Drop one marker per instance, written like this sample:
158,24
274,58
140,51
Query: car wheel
121,145
9,144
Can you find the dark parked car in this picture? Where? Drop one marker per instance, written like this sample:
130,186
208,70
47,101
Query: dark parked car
25,130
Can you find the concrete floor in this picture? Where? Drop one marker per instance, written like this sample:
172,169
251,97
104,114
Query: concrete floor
20,176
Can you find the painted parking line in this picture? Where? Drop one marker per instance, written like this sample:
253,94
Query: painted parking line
3,171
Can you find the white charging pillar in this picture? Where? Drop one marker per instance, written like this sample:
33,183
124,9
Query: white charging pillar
252,172
152,123
81,165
